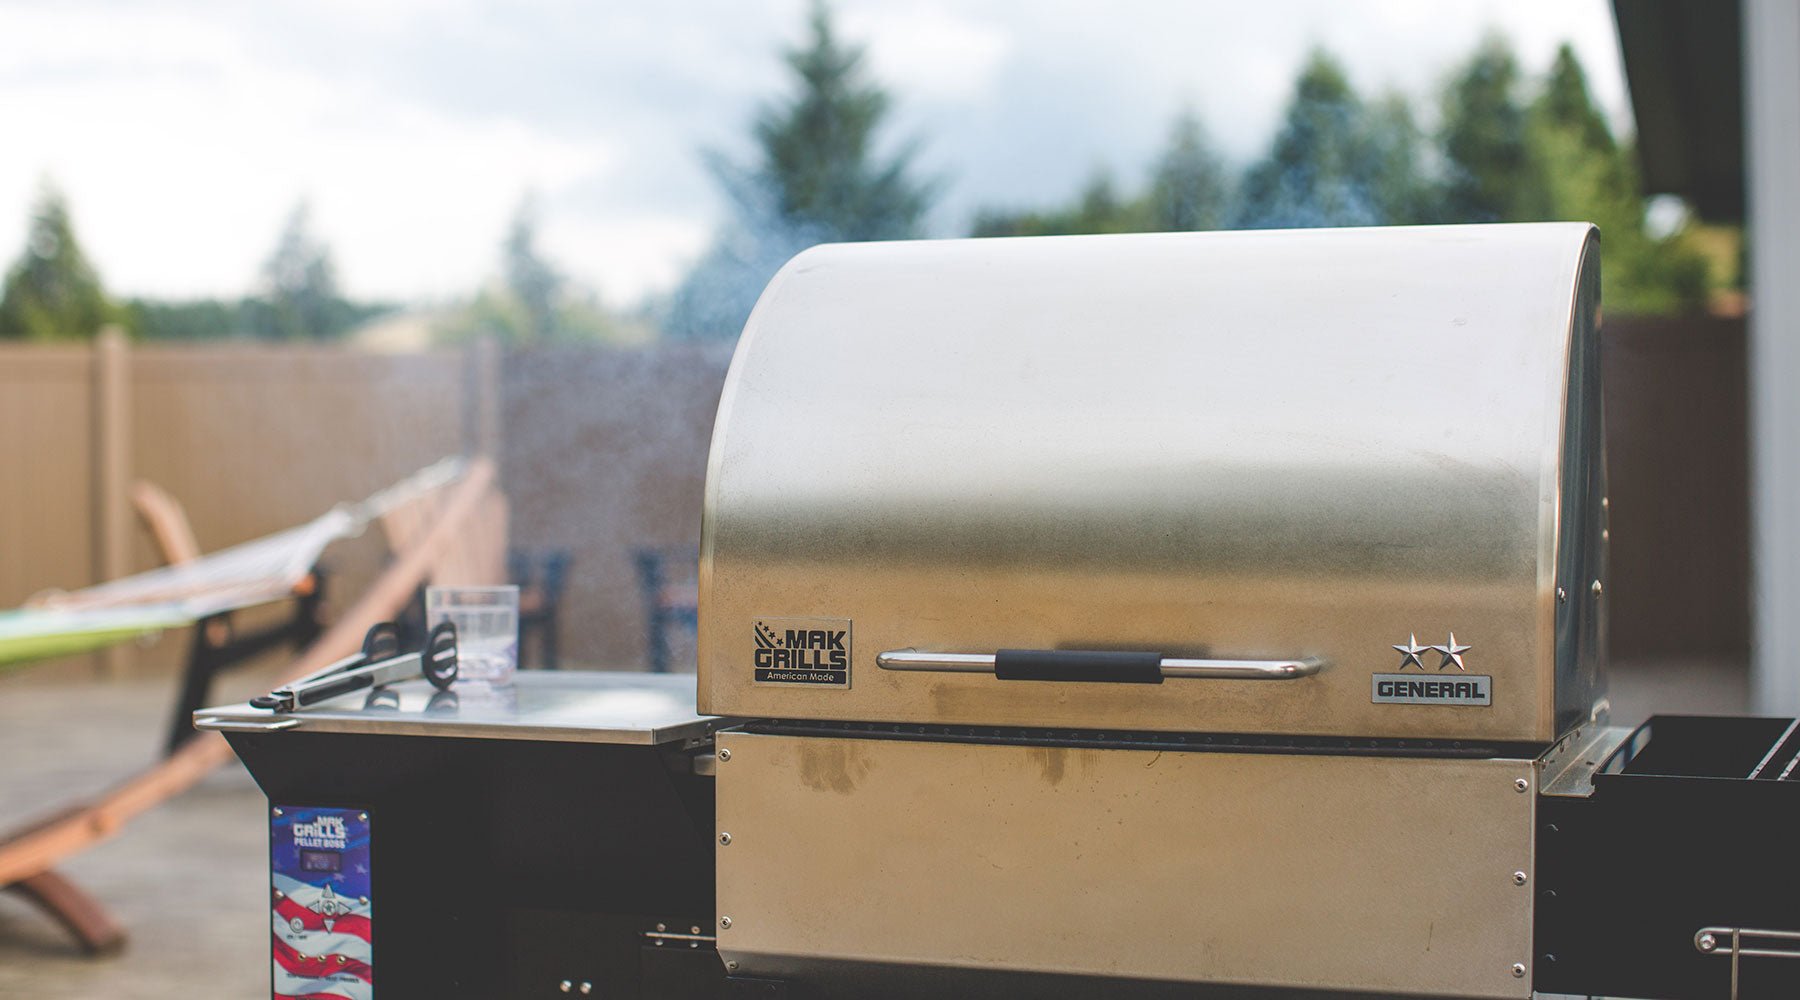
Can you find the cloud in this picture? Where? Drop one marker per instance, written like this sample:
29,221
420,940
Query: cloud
929,52
185,131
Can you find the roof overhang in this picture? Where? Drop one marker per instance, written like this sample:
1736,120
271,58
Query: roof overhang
1684,67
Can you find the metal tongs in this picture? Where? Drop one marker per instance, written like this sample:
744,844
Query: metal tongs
379,663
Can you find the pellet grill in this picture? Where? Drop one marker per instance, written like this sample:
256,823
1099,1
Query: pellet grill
1151,616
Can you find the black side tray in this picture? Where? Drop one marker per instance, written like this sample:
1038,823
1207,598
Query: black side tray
1688,843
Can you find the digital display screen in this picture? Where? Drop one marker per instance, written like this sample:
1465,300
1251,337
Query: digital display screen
320,861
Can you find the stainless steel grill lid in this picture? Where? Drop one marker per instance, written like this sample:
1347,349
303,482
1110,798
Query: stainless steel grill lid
1325,482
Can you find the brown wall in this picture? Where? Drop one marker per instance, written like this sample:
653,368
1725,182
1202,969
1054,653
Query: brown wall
1678,463
604,452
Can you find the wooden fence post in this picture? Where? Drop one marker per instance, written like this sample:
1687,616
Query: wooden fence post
112,474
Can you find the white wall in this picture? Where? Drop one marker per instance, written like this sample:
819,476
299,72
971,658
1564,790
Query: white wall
1772,143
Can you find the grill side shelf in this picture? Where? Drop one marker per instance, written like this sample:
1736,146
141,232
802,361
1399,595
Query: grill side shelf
1685,831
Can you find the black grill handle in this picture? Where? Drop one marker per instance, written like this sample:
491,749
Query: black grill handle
1078,665
1094,665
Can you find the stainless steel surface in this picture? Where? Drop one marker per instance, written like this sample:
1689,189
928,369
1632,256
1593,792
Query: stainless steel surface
1452,653
1582,510
306,691
1409,653
660,937
1775,748
1172,667
1786,945
1390,875
244,725
1567,770
1244,446
557,706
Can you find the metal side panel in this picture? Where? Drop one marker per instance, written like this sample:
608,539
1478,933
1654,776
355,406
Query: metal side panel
1304,871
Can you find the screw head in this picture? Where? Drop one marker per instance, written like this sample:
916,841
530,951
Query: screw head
1596,588
724,838
724,753
586,988
1562,596
276,810
1519,878
1521,784
363,816
730,966
1518,970
1708,942
695,929
725,922
566,986
662,927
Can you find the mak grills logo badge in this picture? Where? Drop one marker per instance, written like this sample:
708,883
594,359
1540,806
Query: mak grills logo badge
810,651
325,832
1459,689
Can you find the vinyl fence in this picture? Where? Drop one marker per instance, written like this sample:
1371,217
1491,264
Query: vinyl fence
603,453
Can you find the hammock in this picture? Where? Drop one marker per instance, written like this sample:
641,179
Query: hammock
464,510
256,572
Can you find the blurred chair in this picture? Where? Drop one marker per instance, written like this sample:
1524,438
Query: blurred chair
540,577
667,578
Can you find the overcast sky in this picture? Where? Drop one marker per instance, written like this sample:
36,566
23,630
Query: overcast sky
184,132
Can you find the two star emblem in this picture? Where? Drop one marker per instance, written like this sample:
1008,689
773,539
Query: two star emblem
1451,651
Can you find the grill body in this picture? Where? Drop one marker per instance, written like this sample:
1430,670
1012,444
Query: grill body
1261,448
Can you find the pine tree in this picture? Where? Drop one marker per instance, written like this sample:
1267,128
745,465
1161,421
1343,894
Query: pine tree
1318,171
1566,103
1493,176
818,178
1589,177
1403,193
1190,188
1098,208
532,281
52,292
300,296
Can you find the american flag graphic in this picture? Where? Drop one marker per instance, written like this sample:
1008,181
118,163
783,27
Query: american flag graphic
321,931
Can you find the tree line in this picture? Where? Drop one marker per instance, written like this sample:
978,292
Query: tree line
1501,154
1506,149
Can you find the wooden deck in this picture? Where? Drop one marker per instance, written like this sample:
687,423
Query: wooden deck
188,879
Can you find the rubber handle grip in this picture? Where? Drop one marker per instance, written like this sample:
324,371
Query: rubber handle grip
1078,665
